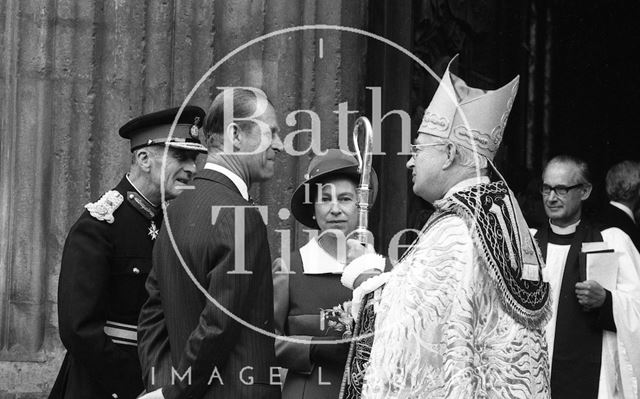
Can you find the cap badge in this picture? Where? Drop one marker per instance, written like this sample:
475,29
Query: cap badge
103,208
194,128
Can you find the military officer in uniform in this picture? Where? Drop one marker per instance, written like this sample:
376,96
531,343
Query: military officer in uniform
107,257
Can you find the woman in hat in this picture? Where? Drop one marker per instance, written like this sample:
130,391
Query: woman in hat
309,285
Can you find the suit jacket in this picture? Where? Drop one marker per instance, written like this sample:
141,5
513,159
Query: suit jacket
100,293
187,344
615,217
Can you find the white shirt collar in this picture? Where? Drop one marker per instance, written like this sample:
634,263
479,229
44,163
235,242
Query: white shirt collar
563,231
467,183
623,208
139,192
235,179
316,260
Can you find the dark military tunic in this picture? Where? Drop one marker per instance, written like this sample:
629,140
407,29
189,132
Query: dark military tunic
100,293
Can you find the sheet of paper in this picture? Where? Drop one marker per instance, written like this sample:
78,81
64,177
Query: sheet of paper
603,268
596,246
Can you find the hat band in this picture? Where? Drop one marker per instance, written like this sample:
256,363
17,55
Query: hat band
159,134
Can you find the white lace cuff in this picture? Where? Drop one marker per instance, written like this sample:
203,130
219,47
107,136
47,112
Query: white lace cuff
360,265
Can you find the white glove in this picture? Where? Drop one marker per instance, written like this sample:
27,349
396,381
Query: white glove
157,394
363,259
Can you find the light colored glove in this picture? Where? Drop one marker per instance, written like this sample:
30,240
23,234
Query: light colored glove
157,394
356,249
364,261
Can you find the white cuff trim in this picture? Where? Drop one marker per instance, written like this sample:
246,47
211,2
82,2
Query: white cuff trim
368,286
360,265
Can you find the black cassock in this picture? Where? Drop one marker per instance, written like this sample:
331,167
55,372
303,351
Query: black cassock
575,372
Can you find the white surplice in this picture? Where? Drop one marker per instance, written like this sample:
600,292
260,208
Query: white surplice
620,367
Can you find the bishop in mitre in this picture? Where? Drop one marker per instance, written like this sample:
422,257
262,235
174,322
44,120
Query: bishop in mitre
462,314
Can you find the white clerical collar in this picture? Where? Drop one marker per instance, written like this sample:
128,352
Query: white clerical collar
237,180
563,231
623,208
139,192
466,184
316,260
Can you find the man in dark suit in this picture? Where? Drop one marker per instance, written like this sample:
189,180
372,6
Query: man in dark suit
202,330
107,257
623,189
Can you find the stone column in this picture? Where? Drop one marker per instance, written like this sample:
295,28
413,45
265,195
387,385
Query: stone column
74,71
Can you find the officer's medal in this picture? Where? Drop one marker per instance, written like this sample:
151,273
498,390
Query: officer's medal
153,230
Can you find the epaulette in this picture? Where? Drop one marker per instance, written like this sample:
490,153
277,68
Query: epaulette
103,208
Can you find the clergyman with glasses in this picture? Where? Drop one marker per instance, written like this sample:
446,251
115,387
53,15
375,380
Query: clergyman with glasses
593,272
463,312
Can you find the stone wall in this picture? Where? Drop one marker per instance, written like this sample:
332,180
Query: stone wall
73,71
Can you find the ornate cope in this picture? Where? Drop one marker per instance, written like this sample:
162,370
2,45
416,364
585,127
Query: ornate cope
490,215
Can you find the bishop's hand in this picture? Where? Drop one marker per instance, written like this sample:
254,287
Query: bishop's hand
356,249
363,264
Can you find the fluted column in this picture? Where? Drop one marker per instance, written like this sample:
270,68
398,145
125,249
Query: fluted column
73,71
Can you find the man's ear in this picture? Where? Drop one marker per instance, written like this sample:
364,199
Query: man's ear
144,158
586,191
232,138
450,150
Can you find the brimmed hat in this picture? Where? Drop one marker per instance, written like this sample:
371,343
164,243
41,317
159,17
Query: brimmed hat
334,163
153,129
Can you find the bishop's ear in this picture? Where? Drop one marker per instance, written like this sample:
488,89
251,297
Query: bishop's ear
450,151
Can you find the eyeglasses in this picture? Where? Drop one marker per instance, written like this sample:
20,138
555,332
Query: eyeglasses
414,149
560,190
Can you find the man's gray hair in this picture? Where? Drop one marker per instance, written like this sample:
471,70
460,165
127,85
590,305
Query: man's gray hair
623,181
466,157
153,149
244,105
579,163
